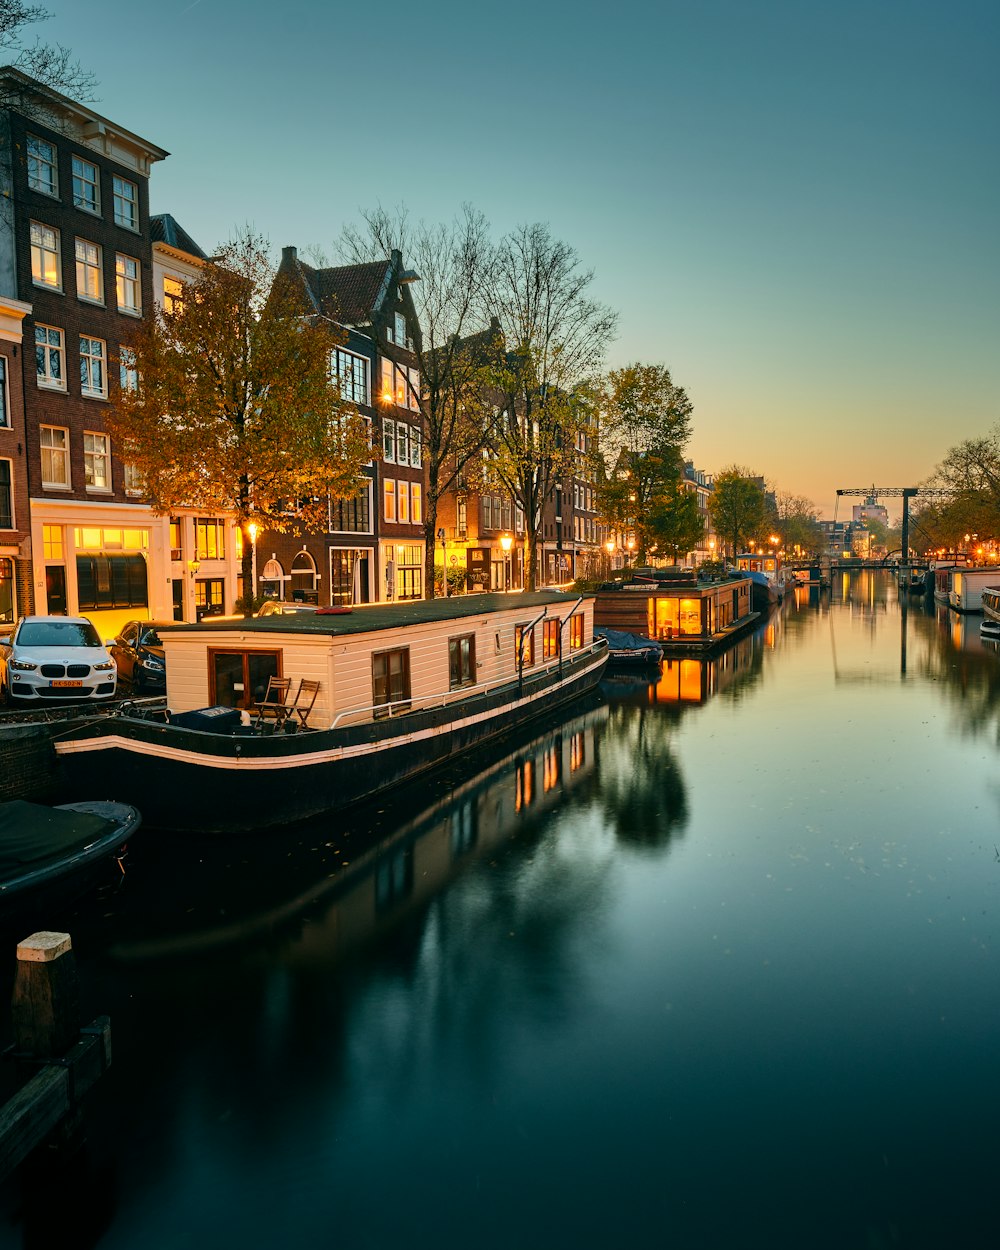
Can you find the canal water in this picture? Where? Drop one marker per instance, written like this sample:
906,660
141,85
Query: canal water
710,961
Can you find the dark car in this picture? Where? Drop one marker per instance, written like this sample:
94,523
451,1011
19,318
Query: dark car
138,652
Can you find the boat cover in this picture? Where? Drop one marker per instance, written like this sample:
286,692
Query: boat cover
31,832
619,640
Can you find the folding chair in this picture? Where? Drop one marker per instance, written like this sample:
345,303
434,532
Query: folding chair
305,697
274,705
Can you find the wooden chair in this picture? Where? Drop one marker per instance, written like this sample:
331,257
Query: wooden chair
274,705
305,697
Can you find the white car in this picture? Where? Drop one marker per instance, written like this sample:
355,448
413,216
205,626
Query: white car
55,657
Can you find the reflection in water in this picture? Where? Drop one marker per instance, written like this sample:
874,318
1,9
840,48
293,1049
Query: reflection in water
710,963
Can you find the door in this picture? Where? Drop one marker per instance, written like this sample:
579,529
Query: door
55,589
178,586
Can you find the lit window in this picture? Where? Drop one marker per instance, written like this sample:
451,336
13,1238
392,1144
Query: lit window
575,632
173,295
96,462
46,262
524,646
89,272
126,203
389,498
52,542
93,374
128,374
50,357
404,503
55,455
416,507
86,185
386,393
209,538
550,639
414,389
127,284
43,174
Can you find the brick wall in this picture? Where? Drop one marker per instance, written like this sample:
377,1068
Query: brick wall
30,769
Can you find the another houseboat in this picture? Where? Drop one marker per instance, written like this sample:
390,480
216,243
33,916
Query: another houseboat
394,690
767,575
967,586
673,607
990,627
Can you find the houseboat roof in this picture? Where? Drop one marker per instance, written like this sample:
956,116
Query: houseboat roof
365,618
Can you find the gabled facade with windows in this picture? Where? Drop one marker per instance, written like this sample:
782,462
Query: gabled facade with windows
16,596
373,548
76,249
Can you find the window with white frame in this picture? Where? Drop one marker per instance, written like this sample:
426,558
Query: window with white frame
416,504
403,490
50,357
400,329
386,392
127,284
96,462
6,496
86,185
43,172
4,399
128,374
402,443
351,372
133,480
125,197
173,295
413,391
416,448
389,441
55,455
389,499
46,262
89,272
93,371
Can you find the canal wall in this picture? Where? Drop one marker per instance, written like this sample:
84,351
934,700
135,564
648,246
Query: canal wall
29,767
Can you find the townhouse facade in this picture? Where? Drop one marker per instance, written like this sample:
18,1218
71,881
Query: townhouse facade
76,259
373,547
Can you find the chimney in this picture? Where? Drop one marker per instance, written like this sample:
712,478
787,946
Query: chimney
289,255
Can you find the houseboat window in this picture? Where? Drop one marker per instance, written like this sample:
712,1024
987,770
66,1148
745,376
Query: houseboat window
390,678
528,651
550,640
576,632
461,661
669,618
239,678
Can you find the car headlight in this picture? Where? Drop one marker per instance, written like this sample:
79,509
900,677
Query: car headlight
106,667
151,661
22,666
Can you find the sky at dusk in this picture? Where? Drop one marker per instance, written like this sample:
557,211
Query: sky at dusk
792,205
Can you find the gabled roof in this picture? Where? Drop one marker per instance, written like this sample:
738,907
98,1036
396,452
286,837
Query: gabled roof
349,294
164,229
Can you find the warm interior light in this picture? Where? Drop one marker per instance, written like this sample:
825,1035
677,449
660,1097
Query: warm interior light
253,529
506,542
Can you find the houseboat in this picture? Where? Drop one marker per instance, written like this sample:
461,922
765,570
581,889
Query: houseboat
767,575
673,607
943,574
395,689
990,628
967,586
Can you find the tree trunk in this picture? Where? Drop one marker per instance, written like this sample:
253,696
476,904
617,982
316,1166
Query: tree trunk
530,552
430,547
246,568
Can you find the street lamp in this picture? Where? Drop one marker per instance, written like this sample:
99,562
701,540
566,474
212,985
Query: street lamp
250,593
444,560
609,547
506,542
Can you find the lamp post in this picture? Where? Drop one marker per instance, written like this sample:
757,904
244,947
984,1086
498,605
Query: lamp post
609,547
444,560
506,542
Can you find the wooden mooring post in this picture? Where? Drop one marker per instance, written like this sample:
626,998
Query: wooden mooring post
45,1011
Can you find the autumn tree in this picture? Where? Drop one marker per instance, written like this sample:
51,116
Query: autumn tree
738,505
453,351
645,420
797,524
674,523
969,479
554,338
235,409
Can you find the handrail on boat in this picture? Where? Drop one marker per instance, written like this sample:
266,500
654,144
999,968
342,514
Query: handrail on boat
399,706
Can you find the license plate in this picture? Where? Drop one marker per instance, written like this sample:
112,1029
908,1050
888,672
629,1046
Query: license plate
62,684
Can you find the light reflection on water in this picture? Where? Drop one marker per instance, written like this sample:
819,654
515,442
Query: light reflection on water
711,964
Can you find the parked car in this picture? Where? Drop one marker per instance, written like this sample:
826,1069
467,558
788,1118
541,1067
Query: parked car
55,657
285,607
138,652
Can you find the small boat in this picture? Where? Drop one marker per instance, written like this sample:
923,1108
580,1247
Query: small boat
396,689
990,627
48,855
627,650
